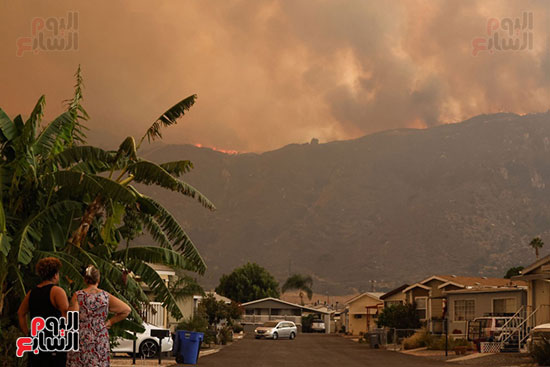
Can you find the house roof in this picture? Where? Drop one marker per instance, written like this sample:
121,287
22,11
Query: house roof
283,302
487,290
162,269
374,295
317,298
217,296
461,281
435,277
394,291
535,265
416,285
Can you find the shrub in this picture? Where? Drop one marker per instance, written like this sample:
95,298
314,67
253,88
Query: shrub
226,335
540,352
237,328
438,343
197,323
399,317
419,339
8,337
307,321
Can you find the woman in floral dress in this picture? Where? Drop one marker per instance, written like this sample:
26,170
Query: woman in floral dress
94,306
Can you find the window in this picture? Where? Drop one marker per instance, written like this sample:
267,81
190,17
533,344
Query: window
249,311
504,305
357,316
421,307
464,310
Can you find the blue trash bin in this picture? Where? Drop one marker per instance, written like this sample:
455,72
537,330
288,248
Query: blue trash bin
189,343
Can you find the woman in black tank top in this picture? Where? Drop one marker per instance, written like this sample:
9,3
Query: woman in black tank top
45,300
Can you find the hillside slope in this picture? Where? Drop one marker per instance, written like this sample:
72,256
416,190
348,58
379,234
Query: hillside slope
392,207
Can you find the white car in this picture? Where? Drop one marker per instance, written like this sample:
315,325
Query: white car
538,333
276,329
318,326
146,345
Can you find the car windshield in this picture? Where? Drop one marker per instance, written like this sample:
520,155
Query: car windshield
270,323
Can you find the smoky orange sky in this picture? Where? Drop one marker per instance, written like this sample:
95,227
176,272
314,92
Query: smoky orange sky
270,73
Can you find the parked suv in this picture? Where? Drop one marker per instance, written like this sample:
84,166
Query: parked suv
318,326
486,328
276,329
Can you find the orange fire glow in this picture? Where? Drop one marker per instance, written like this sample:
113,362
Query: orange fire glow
225,151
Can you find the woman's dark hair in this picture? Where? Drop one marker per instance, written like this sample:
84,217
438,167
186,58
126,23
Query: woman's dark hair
47,267
91,275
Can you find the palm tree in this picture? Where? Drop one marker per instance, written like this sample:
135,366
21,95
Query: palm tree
303,283
60,197
536,243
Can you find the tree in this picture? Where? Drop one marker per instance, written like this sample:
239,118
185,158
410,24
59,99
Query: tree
62,198
536,243
217,311
303,283
516,270
248,283
400,316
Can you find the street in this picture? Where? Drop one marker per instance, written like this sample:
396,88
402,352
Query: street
309,350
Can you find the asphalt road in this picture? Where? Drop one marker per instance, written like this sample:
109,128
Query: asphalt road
309,350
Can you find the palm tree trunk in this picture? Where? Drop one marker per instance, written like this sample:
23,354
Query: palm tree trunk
537,252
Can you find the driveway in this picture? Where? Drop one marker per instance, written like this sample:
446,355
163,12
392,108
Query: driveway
310,350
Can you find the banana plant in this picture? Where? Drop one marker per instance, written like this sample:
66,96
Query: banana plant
61,197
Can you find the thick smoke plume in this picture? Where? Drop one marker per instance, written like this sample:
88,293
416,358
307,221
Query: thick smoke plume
274,72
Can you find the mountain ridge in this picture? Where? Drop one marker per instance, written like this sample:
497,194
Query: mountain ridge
391,207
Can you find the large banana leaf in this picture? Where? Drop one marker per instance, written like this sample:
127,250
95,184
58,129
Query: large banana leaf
154,229
91,184
83,153
37,112
55,134
31,231
127,149
148,173
177,168
5,244
154,255
162,293
7,127
175,233
34,119
169,117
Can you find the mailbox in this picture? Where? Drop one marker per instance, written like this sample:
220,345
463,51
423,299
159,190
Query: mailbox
160,333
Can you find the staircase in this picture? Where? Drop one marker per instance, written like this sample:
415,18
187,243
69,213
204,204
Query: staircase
509,337
515,331
511,346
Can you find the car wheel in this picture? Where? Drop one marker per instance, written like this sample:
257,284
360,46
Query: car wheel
275,336
149,348
292,336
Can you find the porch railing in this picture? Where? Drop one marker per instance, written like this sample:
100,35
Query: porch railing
153,313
